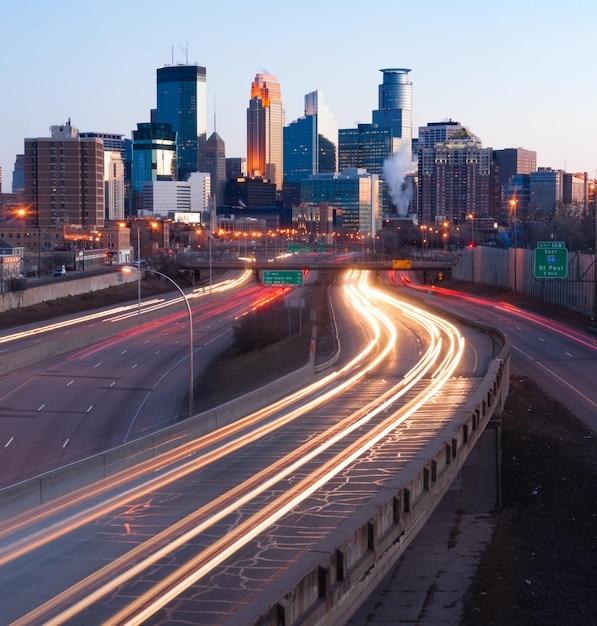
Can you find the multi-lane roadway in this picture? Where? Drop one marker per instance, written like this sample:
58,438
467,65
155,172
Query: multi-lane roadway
561,359
205,532
100,396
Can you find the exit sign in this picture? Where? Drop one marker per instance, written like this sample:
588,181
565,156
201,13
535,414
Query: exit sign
551,259
283,277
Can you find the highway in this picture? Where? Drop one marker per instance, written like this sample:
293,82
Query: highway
207,532
84,402
562,360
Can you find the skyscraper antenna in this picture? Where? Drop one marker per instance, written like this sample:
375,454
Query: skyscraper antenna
172,54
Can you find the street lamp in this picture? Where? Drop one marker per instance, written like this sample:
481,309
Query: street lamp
471,217
595,265
514,204
190,312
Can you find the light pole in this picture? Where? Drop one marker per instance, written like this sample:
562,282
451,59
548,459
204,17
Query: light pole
513,204
445,238
471,216
595,266
139,273
210,263
190,312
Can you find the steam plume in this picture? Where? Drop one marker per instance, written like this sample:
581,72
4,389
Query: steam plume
395,169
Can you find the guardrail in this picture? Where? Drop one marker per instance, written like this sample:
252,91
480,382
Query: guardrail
330,584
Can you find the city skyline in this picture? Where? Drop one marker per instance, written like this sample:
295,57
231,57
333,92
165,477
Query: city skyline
517,77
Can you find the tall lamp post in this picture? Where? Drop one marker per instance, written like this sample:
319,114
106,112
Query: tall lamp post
139,267
445,238
190,312
471,217
513,204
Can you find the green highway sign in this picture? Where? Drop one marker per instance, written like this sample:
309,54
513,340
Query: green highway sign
551,259
283,277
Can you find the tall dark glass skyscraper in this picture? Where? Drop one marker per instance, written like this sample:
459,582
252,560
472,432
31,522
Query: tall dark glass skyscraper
182,103
370,145
396,106
311,142
153,157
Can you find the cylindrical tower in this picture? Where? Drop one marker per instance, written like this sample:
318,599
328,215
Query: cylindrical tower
396,91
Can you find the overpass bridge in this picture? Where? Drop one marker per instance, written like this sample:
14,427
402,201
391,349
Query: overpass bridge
315,264
428,269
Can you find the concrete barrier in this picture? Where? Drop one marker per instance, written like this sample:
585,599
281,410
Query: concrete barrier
62,288
329,583
74,476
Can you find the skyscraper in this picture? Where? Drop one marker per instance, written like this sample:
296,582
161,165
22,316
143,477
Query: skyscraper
265,123
454,179
311,142
64,178
370,145
215,164
115,175
182,103
354,193
395,103
436,132
507,163
154,157
546,188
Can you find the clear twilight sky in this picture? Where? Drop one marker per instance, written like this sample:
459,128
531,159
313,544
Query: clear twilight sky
518,73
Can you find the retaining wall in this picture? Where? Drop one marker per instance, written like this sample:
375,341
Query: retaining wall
62,288
327,586
495,267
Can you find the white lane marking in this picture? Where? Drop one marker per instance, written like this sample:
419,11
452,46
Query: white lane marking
8,442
